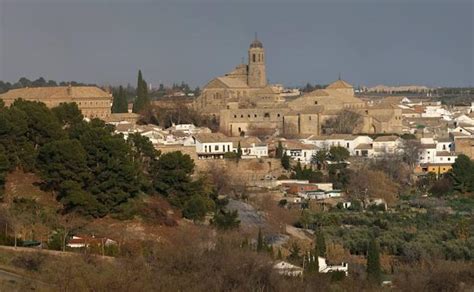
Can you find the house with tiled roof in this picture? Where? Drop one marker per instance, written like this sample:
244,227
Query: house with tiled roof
348,141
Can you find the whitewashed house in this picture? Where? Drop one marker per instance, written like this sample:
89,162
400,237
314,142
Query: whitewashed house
384,145
350,142
252,147
325,268
212,145
299,151
287,269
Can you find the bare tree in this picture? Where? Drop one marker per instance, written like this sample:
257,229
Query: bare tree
344,123
366,183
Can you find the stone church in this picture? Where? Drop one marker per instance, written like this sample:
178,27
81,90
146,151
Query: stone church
245,103
246,84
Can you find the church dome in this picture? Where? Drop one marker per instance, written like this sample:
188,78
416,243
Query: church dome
256,44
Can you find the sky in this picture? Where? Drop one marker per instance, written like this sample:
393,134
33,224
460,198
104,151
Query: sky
367,42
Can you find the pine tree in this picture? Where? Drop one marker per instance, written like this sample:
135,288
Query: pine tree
260,244
374,272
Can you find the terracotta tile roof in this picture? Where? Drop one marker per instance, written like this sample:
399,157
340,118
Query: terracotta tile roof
428,146
338,84
445,153
292,144
212,138
246,142
59,92
364,147
232,82
386,138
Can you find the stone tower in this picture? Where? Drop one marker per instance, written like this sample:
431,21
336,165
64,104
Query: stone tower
257,77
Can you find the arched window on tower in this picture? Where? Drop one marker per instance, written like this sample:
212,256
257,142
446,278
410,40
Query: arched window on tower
253,58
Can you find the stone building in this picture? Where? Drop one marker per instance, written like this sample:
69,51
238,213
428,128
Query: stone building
247,83
245,103
92,101
307,114
465,146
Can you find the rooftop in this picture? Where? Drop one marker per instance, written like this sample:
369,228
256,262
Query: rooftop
339,84
57,92
390,138
212,138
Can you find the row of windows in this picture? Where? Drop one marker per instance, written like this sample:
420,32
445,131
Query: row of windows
256,57
93,103
208,148
441,158
265,115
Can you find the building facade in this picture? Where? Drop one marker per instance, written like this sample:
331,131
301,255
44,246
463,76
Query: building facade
92,101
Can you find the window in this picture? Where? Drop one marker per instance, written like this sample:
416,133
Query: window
316,102
309,118
216,147
235,116
347,145
449,159
248,116
255,115
253,58
278,115
241,116
266,115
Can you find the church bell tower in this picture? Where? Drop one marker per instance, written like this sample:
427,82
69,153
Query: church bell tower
257,76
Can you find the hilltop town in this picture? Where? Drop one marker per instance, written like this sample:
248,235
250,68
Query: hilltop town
342,186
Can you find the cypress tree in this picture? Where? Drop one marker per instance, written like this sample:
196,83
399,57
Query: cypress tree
260,244
374,272
313,263
279,255
320,243
120,104
142,99
279,150
285,161
239,151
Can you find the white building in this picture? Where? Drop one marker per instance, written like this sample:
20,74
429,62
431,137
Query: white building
251,147
215,145
387,145
299,151
212,146
287,269
350,142
325,268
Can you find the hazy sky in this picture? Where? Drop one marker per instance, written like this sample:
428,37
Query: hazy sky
368,42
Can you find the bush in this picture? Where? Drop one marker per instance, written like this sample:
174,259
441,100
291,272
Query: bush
30,262
231,155
283,202
197,207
